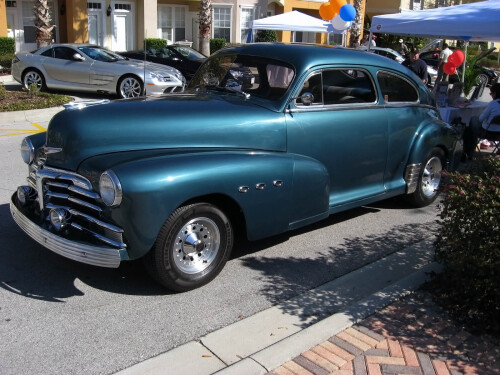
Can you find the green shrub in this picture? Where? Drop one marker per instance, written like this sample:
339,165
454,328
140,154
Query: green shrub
468,243
7,46
6,62
216,44
3,92
266,36
155,43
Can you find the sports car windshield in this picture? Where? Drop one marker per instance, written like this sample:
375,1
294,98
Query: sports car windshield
253,75
100,54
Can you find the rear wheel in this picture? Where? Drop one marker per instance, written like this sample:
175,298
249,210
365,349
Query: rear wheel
130,87
429,179
34,80
192,247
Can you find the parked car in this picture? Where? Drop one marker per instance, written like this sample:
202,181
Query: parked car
391,54
84,67
178,179
183,58
432,59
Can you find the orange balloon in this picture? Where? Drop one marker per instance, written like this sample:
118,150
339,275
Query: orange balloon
337,4
326,11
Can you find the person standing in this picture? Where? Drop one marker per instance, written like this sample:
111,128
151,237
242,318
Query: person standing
443,59
366,40
416,65
402,48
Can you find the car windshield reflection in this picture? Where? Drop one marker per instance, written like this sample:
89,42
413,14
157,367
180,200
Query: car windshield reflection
255,76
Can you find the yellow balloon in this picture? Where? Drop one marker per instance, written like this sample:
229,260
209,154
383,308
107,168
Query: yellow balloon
326,11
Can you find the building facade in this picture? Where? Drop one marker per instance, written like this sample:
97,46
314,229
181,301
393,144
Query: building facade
123,24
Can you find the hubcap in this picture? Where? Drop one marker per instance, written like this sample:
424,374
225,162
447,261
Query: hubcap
431,176
33,78
197,245
130,88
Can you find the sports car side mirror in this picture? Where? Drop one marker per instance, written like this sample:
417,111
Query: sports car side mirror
78,57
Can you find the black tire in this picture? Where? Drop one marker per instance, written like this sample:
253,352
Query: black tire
129,86
34,78
193,246
429,179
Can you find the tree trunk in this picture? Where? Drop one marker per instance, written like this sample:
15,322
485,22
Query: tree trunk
43,23
355,30
205,26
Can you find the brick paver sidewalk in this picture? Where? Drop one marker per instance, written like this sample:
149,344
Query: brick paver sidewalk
411,336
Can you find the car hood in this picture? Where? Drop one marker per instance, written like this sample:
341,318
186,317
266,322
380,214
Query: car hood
176,122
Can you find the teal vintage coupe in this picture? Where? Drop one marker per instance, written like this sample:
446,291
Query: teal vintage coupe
266,139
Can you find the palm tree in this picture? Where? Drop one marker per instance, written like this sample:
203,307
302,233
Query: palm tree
355,30
43,22
205,26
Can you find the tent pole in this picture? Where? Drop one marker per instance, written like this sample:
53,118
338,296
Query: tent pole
370,40
465,61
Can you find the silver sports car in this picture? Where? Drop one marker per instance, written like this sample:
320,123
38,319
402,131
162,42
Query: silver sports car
85,67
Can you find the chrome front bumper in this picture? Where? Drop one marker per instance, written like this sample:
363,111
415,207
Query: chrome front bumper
101,256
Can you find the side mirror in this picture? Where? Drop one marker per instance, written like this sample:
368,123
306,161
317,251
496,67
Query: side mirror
78,57
307,98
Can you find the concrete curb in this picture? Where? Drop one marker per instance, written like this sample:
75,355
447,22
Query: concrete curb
8,78
266,340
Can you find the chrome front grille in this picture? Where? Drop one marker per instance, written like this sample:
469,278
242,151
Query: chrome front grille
74,194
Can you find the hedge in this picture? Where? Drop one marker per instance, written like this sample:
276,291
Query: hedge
7,46
155,43
216,44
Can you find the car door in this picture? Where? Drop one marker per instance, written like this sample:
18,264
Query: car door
345,129
63,67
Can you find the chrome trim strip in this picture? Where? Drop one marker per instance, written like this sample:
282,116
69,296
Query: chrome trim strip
98,236
91,219
84,103
101,256
57,184
51,150
85,204
86,193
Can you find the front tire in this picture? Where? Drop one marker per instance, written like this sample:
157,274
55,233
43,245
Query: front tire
429,179
129,87
193,246
34,80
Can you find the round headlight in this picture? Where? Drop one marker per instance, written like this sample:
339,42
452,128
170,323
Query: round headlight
110,189
58,218
27,151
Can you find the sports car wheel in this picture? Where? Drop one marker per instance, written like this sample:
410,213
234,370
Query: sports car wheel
429,179
192,247
129,87
33,80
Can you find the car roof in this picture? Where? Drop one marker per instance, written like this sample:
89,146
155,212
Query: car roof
306,56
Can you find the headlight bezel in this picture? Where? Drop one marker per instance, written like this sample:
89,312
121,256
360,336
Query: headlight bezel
155,76
27,151
110,189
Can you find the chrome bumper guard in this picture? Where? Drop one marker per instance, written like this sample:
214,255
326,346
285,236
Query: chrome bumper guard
101,256
411,177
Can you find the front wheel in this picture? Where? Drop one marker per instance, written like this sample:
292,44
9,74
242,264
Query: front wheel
33,80
192,248
429,179
129,87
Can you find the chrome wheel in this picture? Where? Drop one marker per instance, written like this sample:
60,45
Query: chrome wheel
31,78
431,176
130,87
196,245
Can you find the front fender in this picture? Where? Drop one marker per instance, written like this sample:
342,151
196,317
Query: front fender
259,182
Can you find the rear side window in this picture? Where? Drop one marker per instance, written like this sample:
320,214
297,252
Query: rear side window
396,89
339,86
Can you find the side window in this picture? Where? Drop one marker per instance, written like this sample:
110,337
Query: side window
64,53
340,86
347,86
396,89
48,53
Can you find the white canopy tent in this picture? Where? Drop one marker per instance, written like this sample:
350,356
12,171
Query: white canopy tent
470,22
294,21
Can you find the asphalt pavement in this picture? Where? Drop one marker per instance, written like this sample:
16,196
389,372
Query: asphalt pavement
280,340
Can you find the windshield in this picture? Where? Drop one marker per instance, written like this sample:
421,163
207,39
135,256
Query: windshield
100,54
188,52
257,76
